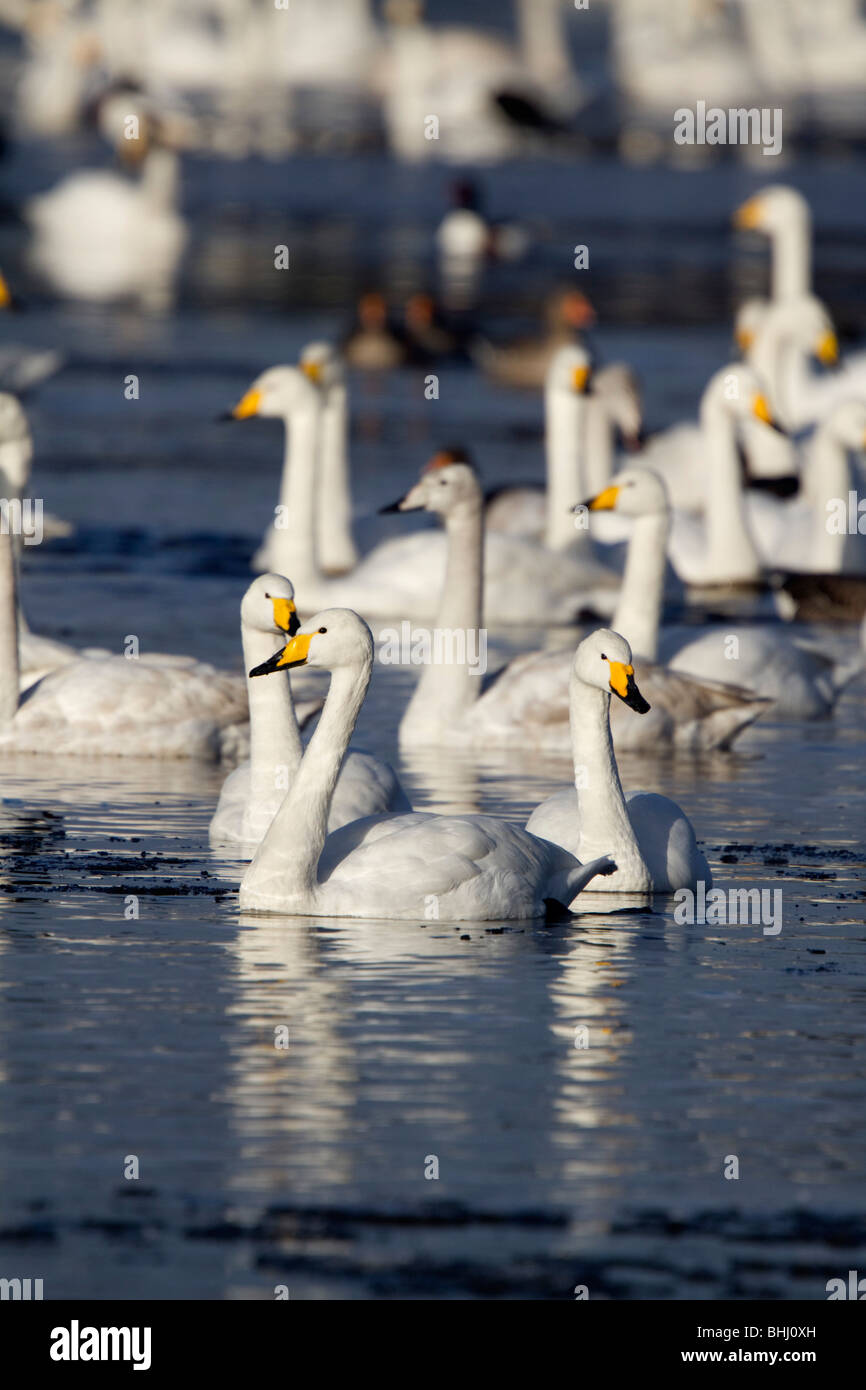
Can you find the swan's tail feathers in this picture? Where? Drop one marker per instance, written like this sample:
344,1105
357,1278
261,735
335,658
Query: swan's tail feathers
571,881
722,726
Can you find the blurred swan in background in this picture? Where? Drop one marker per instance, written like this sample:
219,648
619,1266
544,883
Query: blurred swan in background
337,553
651,838
102,236
474,868
481,90
585,409
253,793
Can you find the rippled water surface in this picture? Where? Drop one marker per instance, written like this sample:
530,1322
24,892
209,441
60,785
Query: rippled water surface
154,1035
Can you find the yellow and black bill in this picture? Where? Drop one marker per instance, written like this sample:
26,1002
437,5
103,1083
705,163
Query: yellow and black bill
623,684
294,653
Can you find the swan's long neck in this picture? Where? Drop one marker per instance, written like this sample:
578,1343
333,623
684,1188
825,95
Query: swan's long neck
544,51
334,505
275,740
160,177
731,553
827,475
791,274
8,631
447,688
640,598
295,543
287,859
565,443
604,818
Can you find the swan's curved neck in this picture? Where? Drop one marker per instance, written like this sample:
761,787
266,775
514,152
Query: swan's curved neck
275,740
160,176
295,543
447,686
337,551
640,597
731,553
565,444
604,818
286,861
8,630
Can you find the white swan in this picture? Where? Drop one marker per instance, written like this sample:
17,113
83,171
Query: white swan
400,577
652,839
583,409
527,703
100,236
783,215
253,793
803,681
812,532
719,549
790,334
447,868
157,708
465,77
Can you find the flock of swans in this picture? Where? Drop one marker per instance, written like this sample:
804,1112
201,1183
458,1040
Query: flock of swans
328,830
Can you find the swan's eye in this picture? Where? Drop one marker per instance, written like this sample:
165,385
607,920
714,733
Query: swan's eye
267,595
603,657
323,629
443,482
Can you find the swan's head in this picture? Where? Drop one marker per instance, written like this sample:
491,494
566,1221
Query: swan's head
846,423
321,363
14,428
278,393
333,640
749,321
772,210
736,391
570,370
603,660
269,606
448,483
633,492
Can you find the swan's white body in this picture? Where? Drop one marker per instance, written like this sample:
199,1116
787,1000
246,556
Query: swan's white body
803,681
654,845
401,577
527,704
442,868
253,793
456,74
100,236
161,707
